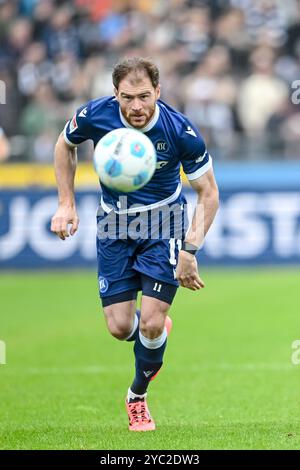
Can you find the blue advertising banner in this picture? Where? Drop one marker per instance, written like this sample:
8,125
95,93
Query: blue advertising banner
252,227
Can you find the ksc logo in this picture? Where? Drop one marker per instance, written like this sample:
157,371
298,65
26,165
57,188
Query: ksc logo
103,284
161,146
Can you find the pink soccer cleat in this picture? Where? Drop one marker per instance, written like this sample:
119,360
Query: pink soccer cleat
168,325
139,416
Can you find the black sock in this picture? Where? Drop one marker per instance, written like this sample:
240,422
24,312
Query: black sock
148,360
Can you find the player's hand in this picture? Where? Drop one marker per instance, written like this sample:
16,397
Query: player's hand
187,271
65,216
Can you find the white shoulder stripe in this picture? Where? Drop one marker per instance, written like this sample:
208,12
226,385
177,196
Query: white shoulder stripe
66,138
200,171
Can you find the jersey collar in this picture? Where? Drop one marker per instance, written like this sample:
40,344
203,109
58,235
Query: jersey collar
150,124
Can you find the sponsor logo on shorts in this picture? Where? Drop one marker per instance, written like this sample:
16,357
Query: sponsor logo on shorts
103,284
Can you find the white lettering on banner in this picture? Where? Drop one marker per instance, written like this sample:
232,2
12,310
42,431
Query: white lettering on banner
238,231
284,210
249,223
14,241
248,232
28,227
44,243
246,226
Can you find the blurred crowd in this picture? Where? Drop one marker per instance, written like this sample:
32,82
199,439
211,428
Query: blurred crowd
230,65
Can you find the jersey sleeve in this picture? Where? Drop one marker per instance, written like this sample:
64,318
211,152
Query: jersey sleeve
78,129
194,156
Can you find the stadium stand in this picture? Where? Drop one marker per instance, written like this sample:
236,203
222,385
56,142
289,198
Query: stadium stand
231,65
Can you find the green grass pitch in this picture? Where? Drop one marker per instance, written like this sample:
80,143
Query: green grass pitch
228,380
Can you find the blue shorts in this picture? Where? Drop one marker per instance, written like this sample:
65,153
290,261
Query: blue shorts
124,262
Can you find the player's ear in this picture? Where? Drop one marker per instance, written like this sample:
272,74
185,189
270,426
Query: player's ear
157,91
116,92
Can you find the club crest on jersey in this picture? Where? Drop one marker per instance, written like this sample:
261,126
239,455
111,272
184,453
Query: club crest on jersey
73,124
161,146
103,284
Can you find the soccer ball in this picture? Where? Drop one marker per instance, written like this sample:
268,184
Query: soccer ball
125,159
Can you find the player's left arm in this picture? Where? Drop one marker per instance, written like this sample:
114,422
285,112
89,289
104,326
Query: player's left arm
207,205
197,165
206,208
204,214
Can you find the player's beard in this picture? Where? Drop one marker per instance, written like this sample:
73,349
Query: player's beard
140,120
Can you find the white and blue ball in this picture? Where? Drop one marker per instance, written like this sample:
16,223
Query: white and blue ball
125,159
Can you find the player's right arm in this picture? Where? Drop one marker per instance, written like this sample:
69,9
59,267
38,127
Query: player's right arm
65,162
77,130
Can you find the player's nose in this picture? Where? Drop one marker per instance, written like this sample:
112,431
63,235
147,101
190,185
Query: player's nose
136,105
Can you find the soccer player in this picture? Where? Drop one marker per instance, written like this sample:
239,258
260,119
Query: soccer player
154,265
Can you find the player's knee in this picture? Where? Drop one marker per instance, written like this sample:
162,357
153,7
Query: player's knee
152,327
119,322
119,330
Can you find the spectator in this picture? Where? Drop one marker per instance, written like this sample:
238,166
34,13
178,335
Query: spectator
261,94
232,61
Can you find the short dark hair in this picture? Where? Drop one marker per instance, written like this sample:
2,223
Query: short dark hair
135,64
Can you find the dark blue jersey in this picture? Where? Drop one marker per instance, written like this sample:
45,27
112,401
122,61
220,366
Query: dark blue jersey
176,140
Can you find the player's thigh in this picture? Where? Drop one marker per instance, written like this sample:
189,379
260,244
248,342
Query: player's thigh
120,318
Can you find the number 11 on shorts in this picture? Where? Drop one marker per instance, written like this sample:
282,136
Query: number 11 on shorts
157,287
